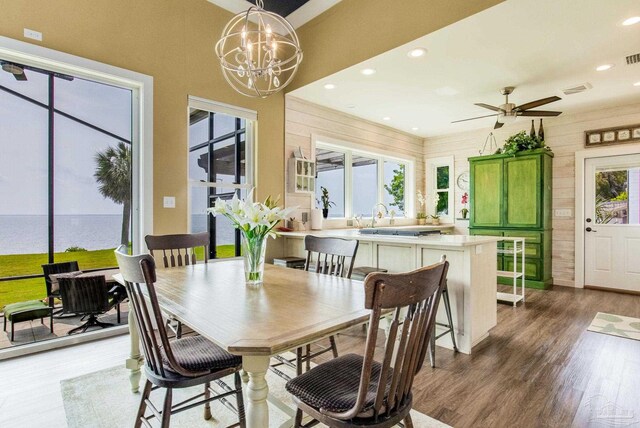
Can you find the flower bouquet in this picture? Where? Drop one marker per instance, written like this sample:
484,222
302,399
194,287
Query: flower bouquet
256,221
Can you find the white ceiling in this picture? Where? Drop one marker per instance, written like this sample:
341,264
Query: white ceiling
538,46
298,18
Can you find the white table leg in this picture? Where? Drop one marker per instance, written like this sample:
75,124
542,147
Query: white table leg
134,362
257,391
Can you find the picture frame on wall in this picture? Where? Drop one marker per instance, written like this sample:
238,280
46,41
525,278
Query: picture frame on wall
609,136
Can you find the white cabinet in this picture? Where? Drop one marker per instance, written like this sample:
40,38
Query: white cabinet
302,176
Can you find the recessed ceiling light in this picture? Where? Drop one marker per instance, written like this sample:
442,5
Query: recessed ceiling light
386,118
636,84
415,128
351,106
631,21
329,86
604,67
368,71
417,53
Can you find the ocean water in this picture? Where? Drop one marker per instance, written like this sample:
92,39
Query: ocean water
25,234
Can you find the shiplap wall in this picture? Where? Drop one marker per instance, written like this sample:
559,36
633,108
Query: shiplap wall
303,119
565,135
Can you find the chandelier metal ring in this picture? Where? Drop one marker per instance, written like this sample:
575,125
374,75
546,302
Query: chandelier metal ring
259,52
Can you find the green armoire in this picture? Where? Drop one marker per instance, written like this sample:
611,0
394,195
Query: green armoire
511,196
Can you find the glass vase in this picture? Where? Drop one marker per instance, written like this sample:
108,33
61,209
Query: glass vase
253,251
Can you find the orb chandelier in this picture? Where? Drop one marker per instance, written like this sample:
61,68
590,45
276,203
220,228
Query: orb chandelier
259,52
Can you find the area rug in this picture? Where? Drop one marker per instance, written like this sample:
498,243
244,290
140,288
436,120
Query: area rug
616,325
104,399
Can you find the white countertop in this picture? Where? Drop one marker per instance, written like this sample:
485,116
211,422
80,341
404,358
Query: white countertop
428,240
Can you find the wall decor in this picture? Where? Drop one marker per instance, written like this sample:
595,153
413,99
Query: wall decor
608,136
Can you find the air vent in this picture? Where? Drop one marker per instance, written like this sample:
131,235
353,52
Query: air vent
577,89
633,59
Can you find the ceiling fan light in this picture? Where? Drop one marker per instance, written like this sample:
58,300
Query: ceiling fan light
507,118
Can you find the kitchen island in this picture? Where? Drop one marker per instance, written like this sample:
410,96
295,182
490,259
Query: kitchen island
471,278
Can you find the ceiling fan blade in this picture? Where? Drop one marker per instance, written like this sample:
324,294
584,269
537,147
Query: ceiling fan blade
473,118
538,103
539,113
498,125
488,106
21,77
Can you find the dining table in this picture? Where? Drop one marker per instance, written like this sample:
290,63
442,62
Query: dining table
290,309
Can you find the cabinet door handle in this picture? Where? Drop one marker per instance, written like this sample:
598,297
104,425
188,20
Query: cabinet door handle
588,229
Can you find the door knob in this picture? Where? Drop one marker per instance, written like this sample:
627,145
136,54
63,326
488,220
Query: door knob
588,229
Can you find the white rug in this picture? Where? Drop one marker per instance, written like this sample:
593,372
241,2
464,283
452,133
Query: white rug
104,399
616,325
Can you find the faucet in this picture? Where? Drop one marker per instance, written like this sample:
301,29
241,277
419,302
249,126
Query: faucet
376,213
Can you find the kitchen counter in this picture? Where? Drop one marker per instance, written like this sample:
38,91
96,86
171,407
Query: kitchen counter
428,240
471,278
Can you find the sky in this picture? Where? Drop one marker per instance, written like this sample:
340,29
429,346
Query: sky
24,136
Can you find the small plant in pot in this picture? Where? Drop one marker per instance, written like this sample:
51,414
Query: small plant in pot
422,218
435,219
325,201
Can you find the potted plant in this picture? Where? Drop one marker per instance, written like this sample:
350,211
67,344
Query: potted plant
435,219
465,200
326,202
521,142
422,218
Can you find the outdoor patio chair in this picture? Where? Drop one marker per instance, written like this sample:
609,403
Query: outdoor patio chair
53,290
91,296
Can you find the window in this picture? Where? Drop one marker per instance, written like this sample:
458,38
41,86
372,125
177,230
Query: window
439,197
218,165
358,180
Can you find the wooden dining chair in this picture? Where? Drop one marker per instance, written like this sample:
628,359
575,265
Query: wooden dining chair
328,256
178,363
175,251
358,391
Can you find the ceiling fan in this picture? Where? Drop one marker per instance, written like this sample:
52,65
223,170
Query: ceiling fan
508,112
15,69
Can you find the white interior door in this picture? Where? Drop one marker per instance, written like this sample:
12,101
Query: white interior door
612,222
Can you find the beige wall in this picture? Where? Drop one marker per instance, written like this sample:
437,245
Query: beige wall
303,119
172,41
565,135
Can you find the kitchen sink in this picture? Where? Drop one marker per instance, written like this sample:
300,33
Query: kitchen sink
413,231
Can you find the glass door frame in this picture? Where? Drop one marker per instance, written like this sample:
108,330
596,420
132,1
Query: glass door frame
141,86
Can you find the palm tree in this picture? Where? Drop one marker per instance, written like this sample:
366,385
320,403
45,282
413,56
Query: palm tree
113,174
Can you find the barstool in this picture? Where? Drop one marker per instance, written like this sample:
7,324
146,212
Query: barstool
449,328
361,272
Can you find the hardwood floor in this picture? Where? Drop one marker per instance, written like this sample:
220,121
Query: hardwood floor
539,367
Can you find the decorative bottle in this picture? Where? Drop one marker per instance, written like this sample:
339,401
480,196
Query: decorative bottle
541,131
532,133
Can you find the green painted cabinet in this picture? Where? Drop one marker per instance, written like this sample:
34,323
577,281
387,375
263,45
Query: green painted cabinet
511,196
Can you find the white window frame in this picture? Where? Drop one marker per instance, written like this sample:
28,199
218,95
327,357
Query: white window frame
432,165
350,149
141,86
251,133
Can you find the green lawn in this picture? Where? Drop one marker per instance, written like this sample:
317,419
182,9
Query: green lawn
27,264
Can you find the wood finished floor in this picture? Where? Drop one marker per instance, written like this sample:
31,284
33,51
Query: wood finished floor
538,368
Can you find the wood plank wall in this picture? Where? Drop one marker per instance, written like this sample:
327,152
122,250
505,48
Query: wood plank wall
565,135
304,119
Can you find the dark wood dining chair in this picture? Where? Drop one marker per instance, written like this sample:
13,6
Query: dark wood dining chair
175,251
53,289
358,391
89,296
178,363
328,256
